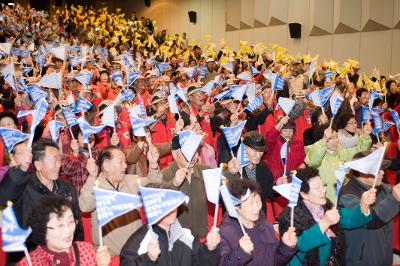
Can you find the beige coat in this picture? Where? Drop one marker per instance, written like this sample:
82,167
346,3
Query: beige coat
117,231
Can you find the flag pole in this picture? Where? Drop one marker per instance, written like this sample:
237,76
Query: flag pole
90,151
72,135
28,257
291,216
380,164
217,203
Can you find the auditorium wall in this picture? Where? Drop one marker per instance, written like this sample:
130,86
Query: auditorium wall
365,30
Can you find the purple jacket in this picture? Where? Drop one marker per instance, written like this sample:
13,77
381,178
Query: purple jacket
268,250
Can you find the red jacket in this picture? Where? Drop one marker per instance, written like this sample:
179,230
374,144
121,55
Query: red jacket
272,157
161,133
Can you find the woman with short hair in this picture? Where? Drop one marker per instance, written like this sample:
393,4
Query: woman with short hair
53,226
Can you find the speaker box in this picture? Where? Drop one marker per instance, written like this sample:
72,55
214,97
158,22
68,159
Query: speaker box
192,16
295,30
147,3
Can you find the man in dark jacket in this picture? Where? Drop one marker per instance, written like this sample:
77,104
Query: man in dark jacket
188,178
371,244
25,189
169,244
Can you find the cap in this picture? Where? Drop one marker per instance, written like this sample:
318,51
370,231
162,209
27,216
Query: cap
254,140
210,59
194,87
158,97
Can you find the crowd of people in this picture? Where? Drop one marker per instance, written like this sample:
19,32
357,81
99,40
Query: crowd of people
85,62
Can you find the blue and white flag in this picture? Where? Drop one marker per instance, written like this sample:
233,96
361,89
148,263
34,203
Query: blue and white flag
238,91
132,76
124,95
284,152
181,95
229,66
13,235
290,191
190,71
111,204
10,79
183,136
173,107
108,118
378,124
127,62
320,97
386,125
82,105
229,201
335,103
141,110
160,202
372,97
55,127
22,85
254,105
84,77
232,134
209,87
244,76
286,104
203,71
117,78
253,70
27,70
161,67
139,122
88,130
396,119
340,174
222,95
69,117
242,156
251,91
326,93
52,81
190,146
311,70
212,182
277,81
365,114
11,137
39,114
376,111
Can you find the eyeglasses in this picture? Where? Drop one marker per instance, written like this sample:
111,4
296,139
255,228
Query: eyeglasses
61,226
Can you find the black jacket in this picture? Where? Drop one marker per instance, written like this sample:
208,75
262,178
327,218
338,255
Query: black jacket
25,190
180,254
371,244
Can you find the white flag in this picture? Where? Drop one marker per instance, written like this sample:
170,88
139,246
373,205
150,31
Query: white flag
108,118
190,146
370,164
286,104
58,52
52,81
8,69
212,182
5,48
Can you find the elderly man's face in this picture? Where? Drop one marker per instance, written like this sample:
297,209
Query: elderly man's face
49,166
